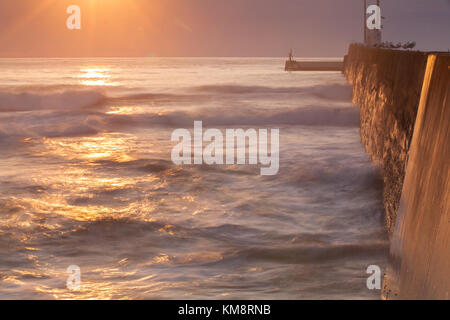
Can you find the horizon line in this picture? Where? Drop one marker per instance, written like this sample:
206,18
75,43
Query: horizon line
150,57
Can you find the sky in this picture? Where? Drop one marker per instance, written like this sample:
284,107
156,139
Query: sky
241,28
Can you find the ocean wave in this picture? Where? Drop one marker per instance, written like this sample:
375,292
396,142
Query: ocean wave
342,172
44,97
79,112
336,92
310,116
30,100
312,254
331,91
72,123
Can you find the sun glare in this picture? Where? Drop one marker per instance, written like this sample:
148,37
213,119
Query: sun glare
95,77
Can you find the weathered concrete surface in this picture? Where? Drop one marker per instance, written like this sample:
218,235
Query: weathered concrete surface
420,249
387,86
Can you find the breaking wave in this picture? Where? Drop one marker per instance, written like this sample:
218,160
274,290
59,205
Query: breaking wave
62,96
26,101
309,116
332,91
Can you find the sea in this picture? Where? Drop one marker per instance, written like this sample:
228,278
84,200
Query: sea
87,183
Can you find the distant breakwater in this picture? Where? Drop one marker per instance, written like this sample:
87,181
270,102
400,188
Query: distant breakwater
404,100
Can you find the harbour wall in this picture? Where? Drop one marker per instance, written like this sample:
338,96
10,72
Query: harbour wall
404,99
387,86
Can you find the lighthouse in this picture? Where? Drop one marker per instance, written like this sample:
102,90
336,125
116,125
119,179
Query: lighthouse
372,35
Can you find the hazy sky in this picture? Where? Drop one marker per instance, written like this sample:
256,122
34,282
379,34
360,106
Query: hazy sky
212,27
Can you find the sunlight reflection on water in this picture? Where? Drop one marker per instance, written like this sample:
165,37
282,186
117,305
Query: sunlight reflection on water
95,77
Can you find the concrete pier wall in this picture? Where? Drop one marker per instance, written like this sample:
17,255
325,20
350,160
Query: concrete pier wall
420,249
387,86
404,99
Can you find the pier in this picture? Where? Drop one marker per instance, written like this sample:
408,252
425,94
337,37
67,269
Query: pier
293,65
